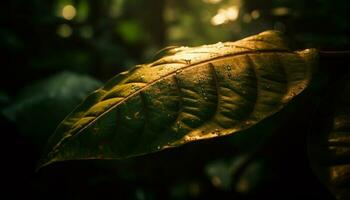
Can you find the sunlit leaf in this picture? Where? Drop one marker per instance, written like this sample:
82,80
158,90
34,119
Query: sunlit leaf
329,145
195,93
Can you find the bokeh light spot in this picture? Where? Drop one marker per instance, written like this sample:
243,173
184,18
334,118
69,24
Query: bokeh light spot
68,12
212,1
64,30
280,11
255,14
225,15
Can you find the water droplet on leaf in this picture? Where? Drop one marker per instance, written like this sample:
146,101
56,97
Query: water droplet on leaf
188,61
230,76
134,87
216,131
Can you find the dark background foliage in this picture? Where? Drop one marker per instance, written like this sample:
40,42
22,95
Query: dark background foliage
54,52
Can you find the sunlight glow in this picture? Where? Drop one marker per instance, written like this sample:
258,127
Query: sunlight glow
225,15
212,1
280,11
68,12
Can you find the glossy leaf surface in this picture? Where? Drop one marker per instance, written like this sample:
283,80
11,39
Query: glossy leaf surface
191,93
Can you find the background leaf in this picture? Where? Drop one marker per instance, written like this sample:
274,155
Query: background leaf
223,174
40,107
195,93
329,141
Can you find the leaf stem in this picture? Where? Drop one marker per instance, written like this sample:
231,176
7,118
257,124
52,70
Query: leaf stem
334,54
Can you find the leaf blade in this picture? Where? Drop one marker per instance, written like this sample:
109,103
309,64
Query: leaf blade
194,93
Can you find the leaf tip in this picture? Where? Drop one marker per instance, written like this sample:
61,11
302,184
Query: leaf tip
43,163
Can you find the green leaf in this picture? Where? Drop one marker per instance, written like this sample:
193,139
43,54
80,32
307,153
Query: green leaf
329,142
190,94
39,107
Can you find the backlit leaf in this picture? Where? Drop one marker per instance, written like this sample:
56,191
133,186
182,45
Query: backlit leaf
190,94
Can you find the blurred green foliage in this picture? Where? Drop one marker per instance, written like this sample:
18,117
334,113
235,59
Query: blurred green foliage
101,38
45,103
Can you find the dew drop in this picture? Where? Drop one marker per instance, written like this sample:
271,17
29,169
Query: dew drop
216,132
228,67
204,94
219,45
158,147
128,117
230,76
178,124
134,87
187,138
188,61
